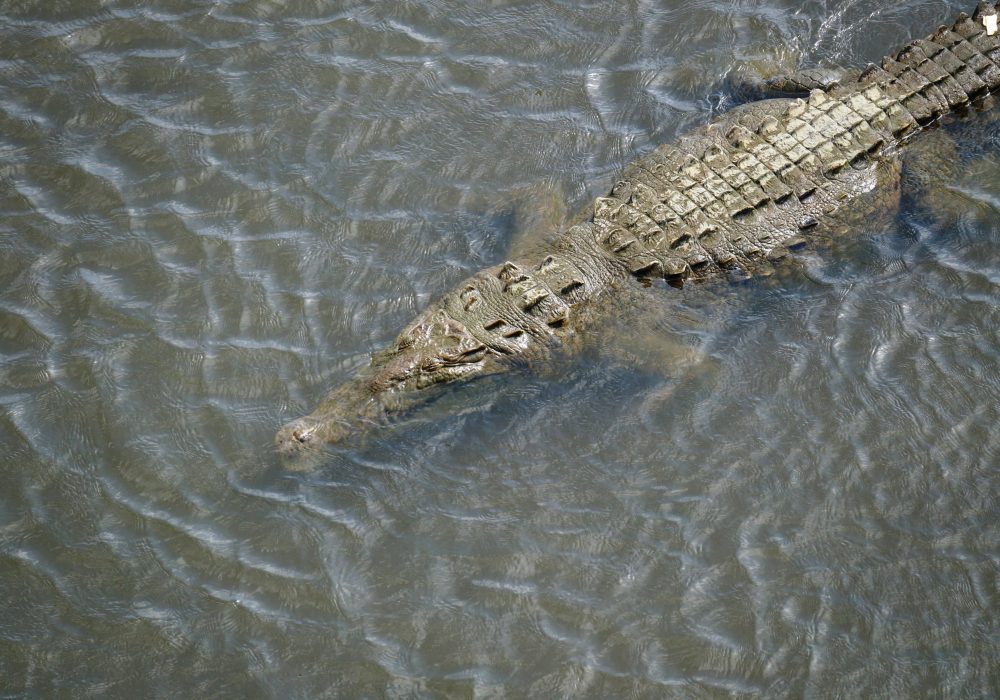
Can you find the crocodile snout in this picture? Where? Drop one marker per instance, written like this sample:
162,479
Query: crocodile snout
299,435
301,443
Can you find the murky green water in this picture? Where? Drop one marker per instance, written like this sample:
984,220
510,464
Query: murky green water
213,211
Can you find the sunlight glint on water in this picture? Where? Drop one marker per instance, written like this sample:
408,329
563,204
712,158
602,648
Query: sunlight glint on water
213,212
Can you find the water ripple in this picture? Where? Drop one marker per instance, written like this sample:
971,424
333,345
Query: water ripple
215,211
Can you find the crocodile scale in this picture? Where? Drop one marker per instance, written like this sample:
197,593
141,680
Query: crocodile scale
730,198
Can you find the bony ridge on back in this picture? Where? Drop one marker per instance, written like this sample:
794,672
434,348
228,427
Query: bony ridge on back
730,198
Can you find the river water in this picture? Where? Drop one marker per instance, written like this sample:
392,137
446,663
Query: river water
212,212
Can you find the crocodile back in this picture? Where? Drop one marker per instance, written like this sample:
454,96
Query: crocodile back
747,186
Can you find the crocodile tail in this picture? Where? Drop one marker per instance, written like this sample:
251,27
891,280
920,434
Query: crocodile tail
945,71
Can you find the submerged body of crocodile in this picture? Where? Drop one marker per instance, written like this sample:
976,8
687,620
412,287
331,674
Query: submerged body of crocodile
729,198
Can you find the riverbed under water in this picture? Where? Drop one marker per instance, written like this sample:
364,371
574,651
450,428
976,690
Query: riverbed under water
212,212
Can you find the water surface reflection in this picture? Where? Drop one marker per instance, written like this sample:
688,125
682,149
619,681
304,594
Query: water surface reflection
212,212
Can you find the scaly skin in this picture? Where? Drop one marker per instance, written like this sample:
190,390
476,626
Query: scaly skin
730,198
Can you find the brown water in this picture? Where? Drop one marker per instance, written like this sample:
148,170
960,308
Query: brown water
213,211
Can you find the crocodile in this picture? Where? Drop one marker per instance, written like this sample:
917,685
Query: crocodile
729,199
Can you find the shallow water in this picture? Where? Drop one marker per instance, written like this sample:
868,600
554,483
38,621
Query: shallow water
213,211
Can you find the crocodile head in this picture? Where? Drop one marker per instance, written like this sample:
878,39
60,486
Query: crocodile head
432,351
